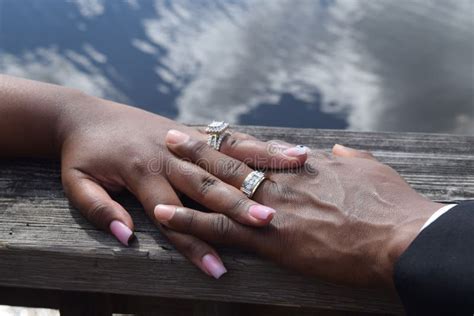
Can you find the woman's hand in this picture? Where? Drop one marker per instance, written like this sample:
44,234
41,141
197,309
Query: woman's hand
109,147
106,146
344,217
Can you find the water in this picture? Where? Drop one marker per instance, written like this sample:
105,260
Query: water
362,65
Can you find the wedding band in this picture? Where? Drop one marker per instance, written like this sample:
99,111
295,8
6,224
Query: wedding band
251,183
217,131
215,140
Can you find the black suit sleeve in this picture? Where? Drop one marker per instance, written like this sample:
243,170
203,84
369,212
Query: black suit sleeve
435,275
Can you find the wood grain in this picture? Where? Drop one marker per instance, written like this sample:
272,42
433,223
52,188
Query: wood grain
46,244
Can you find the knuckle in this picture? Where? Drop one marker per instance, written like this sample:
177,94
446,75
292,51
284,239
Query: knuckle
189,222
280,190
193,248
285,191
207,182
233,168
138,165
96,212
203,163
233,141
236,206
221,226
198,148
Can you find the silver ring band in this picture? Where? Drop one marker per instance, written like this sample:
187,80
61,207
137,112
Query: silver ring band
252,182
217,131
215,140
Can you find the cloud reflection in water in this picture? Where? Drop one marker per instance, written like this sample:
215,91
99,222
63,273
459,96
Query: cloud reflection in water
68,68
386,66
380,65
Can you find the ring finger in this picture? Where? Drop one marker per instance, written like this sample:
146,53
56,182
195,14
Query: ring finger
216,195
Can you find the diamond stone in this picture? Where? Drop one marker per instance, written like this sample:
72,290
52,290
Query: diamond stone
217,127
251,182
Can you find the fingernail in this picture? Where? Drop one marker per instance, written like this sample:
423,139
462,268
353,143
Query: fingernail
341,147
213,266
176,137
121,232
261,212
164,213
296,151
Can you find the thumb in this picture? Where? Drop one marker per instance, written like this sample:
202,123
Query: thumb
97,206
343,151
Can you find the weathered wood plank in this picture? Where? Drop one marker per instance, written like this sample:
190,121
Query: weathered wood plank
45,243
153,306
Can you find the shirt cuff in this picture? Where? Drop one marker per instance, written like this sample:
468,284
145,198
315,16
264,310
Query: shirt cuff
437,214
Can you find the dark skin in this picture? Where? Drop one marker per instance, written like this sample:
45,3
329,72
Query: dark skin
106,147
344,217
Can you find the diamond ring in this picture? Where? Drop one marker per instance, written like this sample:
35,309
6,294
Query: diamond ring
251,183
217,131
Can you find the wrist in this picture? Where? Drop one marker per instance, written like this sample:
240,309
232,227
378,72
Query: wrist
30,112
403,234
75,107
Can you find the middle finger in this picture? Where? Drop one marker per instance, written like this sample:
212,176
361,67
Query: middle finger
216,195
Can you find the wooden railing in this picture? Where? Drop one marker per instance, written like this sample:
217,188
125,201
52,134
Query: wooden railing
51,256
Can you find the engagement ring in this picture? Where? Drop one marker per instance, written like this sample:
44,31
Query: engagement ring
217,131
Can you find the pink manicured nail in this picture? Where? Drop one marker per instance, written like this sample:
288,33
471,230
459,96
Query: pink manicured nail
261,212
176,137
213,266
296,151
164,213
121,232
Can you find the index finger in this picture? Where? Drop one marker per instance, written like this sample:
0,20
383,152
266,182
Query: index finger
274,154
227,169
212,227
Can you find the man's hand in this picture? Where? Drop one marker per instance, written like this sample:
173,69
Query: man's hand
343,217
